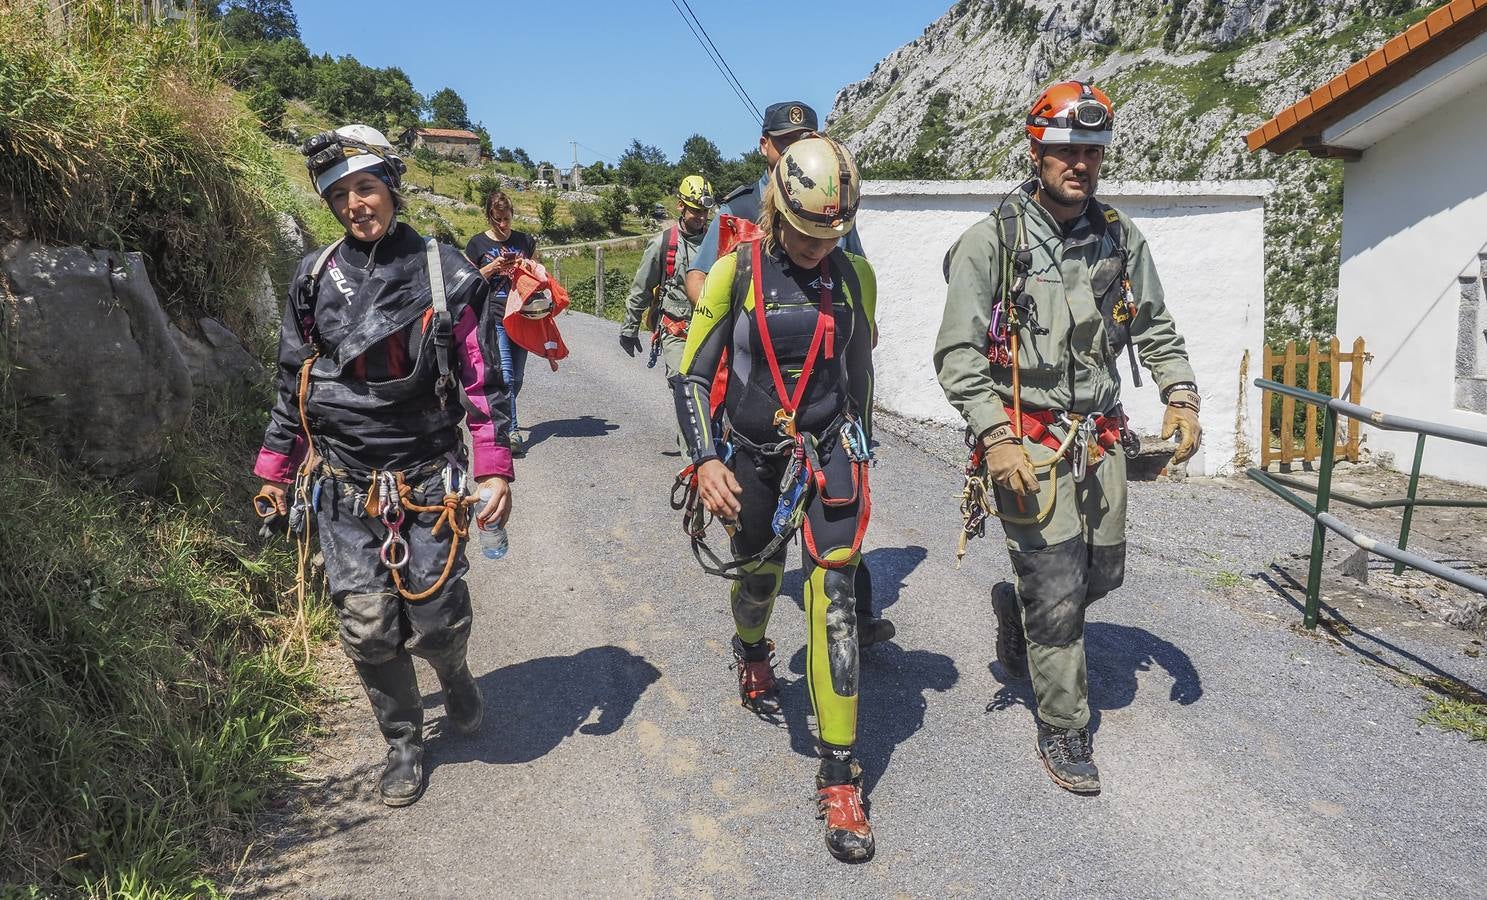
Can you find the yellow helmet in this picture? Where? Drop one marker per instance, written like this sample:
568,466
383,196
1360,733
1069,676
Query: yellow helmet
696,193
816,187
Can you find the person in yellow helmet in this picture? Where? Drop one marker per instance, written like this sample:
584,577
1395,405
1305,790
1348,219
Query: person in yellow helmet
1045,297
658,296
797,412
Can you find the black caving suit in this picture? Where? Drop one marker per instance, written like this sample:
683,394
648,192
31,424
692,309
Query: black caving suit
374,405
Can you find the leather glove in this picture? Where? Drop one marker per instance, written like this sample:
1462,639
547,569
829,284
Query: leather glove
629,343
1182,420
1007,463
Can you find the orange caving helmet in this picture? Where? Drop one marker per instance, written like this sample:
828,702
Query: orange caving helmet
1071,112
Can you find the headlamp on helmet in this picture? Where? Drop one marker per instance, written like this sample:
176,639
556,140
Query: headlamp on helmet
1071,112
332,155
695,192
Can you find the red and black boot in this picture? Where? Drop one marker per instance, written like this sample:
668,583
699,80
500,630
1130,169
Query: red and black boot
757,688
849,836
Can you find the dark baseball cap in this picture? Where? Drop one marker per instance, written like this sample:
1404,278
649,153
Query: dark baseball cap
789,117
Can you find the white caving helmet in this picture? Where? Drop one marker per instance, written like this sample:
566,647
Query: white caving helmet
332,155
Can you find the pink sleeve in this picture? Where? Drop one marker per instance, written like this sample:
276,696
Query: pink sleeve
489,457
279,467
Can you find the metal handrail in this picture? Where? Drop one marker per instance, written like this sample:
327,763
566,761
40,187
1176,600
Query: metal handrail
1323,521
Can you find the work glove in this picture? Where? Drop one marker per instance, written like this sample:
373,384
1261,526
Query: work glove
629,343
1182,420
1007,463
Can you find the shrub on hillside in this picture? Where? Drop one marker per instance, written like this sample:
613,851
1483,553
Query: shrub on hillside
588,220
547,212
123,138
613,206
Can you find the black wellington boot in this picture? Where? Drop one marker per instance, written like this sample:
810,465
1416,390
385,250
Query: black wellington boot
463,705
1011,640
402,778
870,628
1069,758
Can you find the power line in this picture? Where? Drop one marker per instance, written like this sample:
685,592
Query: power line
719,53
597,153
737,88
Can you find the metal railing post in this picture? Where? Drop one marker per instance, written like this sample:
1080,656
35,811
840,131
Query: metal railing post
1319,531
1409,511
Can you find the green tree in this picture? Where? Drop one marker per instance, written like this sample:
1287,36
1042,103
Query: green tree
613,206
598,174
435,164
258,20
268,105
547,212
588,219
643,164
738,172
520,157
503,154
447,110
701,156
485,140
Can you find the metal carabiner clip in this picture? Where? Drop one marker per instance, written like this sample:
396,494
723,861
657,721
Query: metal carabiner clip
394,552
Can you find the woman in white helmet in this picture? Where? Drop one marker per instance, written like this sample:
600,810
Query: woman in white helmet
379,332
794,315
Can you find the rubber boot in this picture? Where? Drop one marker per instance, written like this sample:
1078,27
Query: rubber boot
463,705
1011,640
849,835
392,689
1069,758
870,628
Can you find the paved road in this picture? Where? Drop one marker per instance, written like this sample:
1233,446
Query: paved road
1239,757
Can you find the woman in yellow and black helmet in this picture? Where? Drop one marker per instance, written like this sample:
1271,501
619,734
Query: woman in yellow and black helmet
796,421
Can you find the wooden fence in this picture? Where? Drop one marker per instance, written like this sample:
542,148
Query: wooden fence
1280,442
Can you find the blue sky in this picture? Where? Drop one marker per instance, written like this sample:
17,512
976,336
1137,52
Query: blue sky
602,73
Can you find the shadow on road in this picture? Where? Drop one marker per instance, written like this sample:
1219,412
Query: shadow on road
1349,635
306,813
1116,653
581,427
531,706
890,711
884,576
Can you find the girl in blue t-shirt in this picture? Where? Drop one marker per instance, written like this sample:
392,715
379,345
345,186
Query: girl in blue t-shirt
493,251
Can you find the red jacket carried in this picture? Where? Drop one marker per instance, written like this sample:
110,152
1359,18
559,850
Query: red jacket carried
536,329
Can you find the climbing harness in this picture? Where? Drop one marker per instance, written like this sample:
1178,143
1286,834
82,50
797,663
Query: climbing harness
1085,442
657,318
804,475
389,497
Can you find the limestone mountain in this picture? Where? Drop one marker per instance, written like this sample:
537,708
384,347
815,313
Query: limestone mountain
1189,77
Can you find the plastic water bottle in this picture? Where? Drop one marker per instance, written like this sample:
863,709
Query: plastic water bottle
493,541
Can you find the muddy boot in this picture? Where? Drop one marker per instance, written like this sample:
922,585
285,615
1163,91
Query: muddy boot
402,777
463,705
757,688
1011,640
1069,758
839,802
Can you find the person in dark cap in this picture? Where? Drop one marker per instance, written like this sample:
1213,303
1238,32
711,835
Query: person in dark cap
784,124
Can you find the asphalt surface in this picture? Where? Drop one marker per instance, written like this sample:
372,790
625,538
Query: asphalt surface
1239,757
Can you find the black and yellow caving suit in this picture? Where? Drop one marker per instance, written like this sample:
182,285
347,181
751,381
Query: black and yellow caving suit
725,320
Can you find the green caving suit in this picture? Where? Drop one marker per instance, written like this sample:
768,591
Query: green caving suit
1077,555
649,278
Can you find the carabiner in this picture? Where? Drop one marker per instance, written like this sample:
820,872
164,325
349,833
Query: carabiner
392,547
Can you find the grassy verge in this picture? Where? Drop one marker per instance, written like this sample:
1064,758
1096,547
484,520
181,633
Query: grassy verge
149,707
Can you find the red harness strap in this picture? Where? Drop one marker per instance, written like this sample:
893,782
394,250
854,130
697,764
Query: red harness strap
825,335
1035,428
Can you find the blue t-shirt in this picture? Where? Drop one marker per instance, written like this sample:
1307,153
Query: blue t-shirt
481,250
747,206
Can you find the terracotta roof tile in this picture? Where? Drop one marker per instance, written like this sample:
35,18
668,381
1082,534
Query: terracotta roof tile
1445,29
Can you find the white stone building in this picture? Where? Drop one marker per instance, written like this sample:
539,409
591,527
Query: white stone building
1410,121
1208,242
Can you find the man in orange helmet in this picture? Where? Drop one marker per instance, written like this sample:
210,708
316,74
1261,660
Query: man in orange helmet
1045,297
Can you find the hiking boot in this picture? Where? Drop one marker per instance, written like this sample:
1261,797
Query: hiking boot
757,688
402,777
873,630
463,705
1069,758
1011,640
849,836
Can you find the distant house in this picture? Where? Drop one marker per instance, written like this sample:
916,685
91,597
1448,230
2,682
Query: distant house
453,143
570,179
1410,121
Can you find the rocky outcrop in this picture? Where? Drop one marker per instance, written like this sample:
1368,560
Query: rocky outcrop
216,359
91,360
1189,80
